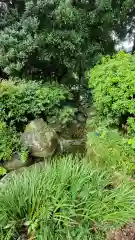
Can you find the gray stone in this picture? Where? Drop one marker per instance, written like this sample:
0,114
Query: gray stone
92,112
81,118
40,139
72,146
14,163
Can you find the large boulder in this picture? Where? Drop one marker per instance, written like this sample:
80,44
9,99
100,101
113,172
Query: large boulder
40,139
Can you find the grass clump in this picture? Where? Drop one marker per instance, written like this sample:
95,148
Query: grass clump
67,200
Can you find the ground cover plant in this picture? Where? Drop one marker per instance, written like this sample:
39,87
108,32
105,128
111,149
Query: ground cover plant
69,199
110,150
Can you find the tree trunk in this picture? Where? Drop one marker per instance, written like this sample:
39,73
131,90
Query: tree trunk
79,83
133,49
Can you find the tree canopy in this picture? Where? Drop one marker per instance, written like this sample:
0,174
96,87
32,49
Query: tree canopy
56,38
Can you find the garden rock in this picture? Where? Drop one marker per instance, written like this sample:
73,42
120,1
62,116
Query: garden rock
40,139
14,163
72,146
81,118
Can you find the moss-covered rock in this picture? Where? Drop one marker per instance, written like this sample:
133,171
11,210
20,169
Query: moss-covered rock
40,139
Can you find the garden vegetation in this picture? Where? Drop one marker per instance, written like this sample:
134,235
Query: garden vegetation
52,53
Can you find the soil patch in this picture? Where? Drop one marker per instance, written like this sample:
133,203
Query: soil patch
125,233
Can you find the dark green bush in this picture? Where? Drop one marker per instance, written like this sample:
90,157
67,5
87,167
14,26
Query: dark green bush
8,141
113,84
65,201
25,101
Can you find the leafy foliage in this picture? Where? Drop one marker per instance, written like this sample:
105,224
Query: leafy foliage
61,201
2,171
25,101
113,84
8,141
54,38
110,150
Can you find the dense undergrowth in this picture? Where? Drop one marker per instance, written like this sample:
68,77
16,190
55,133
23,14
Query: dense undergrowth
69,199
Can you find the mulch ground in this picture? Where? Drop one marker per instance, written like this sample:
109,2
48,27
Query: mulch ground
125,233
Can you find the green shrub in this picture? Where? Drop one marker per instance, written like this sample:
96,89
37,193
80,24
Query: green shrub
24,101
110,150
113,84
66,200
3,171
8,141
